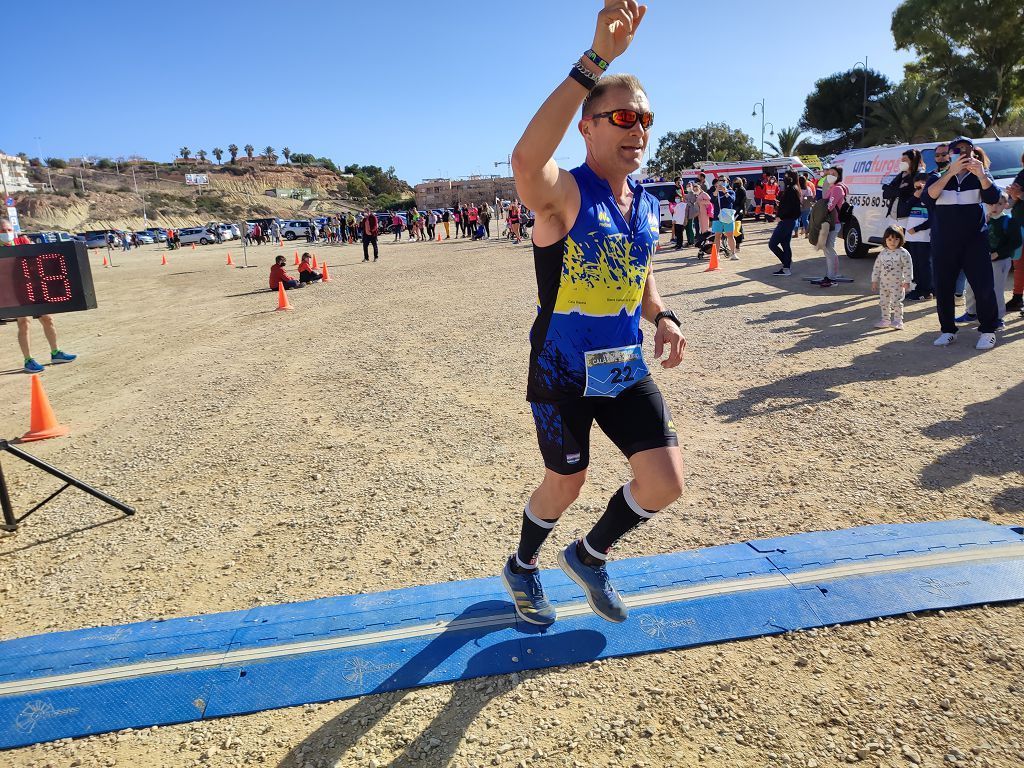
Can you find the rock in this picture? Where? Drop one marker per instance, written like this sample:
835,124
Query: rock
911,754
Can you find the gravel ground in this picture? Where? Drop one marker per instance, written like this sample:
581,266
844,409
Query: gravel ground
378,437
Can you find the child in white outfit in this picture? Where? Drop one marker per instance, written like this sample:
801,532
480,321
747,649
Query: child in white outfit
891,277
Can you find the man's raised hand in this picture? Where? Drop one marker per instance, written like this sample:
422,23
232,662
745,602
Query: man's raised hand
616,24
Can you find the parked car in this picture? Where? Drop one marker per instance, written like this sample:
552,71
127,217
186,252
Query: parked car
145,238
292,229
158,234
96,240
236,233
226,232
200,235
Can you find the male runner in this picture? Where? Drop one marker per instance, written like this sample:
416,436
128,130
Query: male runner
595,235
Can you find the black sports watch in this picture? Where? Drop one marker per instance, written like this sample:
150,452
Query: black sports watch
670,315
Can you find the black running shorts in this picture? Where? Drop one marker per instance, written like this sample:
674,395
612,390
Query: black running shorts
636,420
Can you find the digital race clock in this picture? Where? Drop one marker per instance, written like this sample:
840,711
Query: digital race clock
44,279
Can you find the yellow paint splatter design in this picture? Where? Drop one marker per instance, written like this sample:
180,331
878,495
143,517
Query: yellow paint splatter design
603,277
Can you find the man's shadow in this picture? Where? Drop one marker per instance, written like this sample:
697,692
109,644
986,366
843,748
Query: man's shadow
334,739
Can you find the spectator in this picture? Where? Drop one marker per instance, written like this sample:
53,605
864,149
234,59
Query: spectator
1016,194
279,276
918,241
257,235
960,241
724,202
941,157
807,196
458,221
690,199
679,220
891,276
485,219
759,197
513,221
1004,242
771,196
704,210
397,225
739,190
432,225
835,199
464,215
306,271
446,219
789,214
474,218
369,229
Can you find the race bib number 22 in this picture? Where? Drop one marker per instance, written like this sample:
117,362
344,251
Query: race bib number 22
609,371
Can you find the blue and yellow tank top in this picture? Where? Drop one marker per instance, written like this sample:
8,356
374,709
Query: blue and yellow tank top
586,338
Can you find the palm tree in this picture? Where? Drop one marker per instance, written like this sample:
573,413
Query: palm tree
185,152
233,149
287,155
268,152
787,142
910,113
249,149
218,153
201,154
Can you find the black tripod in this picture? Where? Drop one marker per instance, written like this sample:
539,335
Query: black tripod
11,522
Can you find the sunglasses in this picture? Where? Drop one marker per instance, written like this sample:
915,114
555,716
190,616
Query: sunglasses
626,118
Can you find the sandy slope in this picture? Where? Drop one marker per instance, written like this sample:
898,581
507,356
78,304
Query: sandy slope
378,437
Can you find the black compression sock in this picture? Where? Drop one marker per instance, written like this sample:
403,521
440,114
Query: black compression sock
622,515
533,535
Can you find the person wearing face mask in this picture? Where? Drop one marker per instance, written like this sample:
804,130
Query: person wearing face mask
918,242
941,157
835,198
789,214
724,203
899,191
8,238
960,241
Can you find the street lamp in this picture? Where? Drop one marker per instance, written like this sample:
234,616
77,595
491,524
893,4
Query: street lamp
853,78
754,114
39,146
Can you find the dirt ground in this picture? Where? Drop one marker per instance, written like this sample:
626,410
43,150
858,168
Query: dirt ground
378,437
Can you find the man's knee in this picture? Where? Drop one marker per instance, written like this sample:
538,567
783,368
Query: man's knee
661,488
566,487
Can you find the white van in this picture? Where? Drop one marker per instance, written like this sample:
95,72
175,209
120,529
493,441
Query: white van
866,170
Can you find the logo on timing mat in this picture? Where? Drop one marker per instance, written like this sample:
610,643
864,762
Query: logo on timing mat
35,711
655,626
572,458
357,668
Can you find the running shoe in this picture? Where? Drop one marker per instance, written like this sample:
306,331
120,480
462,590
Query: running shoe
898,326
966,317
31,366
1017,302
986,341
824,282
945,339
528,595
593,580
883,323
61,357
1000,325
784,272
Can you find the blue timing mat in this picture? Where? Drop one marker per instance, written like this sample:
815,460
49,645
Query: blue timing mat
103,679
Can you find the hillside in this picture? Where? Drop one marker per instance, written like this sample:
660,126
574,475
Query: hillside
234,192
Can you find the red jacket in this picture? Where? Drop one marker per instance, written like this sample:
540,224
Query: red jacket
277,275
370,226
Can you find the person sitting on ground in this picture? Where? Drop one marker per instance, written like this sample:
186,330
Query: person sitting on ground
306,272
278,276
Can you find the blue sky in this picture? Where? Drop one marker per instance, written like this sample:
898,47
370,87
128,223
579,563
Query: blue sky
434,89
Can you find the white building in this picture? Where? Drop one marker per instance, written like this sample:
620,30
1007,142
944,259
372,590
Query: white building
14,175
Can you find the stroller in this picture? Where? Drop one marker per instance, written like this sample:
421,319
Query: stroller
703,243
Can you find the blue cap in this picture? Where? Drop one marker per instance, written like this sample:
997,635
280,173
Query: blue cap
961,140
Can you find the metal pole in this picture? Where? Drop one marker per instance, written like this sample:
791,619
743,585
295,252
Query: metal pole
136,183
39,146
864,121
3,178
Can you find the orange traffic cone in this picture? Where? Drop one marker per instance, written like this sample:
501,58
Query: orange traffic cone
230,262
283,305
326,276
296,258
314,261
351,239
713,265
193,246
439,237
280,243
105,264
42,422
163,260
